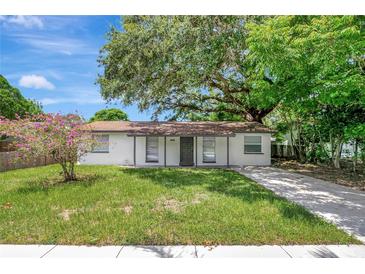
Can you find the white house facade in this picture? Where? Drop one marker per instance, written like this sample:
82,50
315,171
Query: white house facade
173,144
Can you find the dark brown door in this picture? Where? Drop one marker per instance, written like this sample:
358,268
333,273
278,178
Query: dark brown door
186,151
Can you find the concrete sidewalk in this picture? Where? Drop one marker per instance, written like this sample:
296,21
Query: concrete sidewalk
191,251
338,204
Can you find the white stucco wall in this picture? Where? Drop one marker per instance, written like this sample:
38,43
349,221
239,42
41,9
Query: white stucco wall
141,152
121,151
239,158
220,152
172,151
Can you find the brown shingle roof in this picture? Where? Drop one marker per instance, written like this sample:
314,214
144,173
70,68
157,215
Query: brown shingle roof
178,128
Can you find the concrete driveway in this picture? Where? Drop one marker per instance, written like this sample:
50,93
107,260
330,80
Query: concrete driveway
341,205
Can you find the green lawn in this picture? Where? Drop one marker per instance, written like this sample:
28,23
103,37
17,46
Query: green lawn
113,205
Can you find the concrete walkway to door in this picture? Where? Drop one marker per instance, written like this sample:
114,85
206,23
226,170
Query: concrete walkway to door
341,205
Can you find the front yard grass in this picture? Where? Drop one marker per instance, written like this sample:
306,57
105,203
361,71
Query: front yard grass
113,205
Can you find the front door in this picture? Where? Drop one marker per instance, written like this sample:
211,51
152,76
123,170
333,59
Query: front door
186,151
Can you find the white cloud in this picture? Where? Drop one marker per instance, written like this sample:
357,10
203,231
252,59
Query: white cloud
63,45
74,94
25,21
77,101
35,81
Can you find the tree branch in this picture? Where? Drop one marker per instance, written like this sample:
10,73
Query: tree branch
197,108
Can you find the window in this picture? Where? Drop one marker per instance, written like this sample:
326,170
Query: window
252,144
151,149
102,143
208,149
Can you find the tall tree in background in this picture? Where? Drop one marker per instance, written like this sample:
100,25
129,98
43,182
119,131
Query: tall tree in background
110,114
13,103
186,64
320,61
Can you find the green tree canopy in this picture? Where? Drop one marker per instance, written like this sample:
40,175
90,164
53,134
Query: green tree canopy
185,64
316,58
319,60
12,102
111,114
214,116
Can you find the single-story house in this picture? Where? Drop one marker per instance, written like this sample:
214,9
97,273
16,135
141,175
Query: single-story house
180,144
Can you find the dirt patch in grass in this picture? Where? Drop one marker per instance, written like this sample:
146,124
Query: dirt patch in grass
66,214
169,204
199,197
127,209
7,205
177,206
344,176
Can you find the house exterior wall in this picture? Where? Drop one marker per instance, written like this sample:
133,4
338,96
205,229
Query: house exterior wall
239,158
141,152
172,151
220,152
121,151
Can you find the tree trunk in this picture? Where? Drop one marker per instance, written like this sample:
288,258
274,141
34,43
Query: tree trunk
68,172
337,155
301,147
250,117
295,145
72,172
302,156
355,157
332,147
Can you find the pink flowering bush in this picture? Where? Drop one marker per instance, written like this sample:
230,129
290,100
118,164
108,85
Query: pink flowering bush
65,138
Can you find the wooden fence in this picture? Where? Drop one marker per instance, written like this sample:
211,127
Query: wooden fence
7,161
6,146
282,151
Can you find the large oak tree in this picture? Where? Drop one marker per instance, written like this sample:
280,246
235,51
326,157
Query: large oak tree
184,64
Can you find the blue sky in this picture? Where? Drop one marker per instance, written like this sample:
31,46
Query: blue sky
52,59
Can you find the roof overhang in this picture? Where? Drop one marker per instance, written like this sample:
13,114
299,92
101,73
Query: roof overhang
178,128
182,135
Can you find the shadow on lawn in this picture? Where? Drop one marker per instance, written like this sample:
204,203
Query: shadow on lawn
226,182
46,184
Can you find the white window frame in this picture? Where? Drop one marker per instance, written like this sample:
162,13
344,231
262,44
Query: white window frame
207,139
156,156
252,144
104,145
